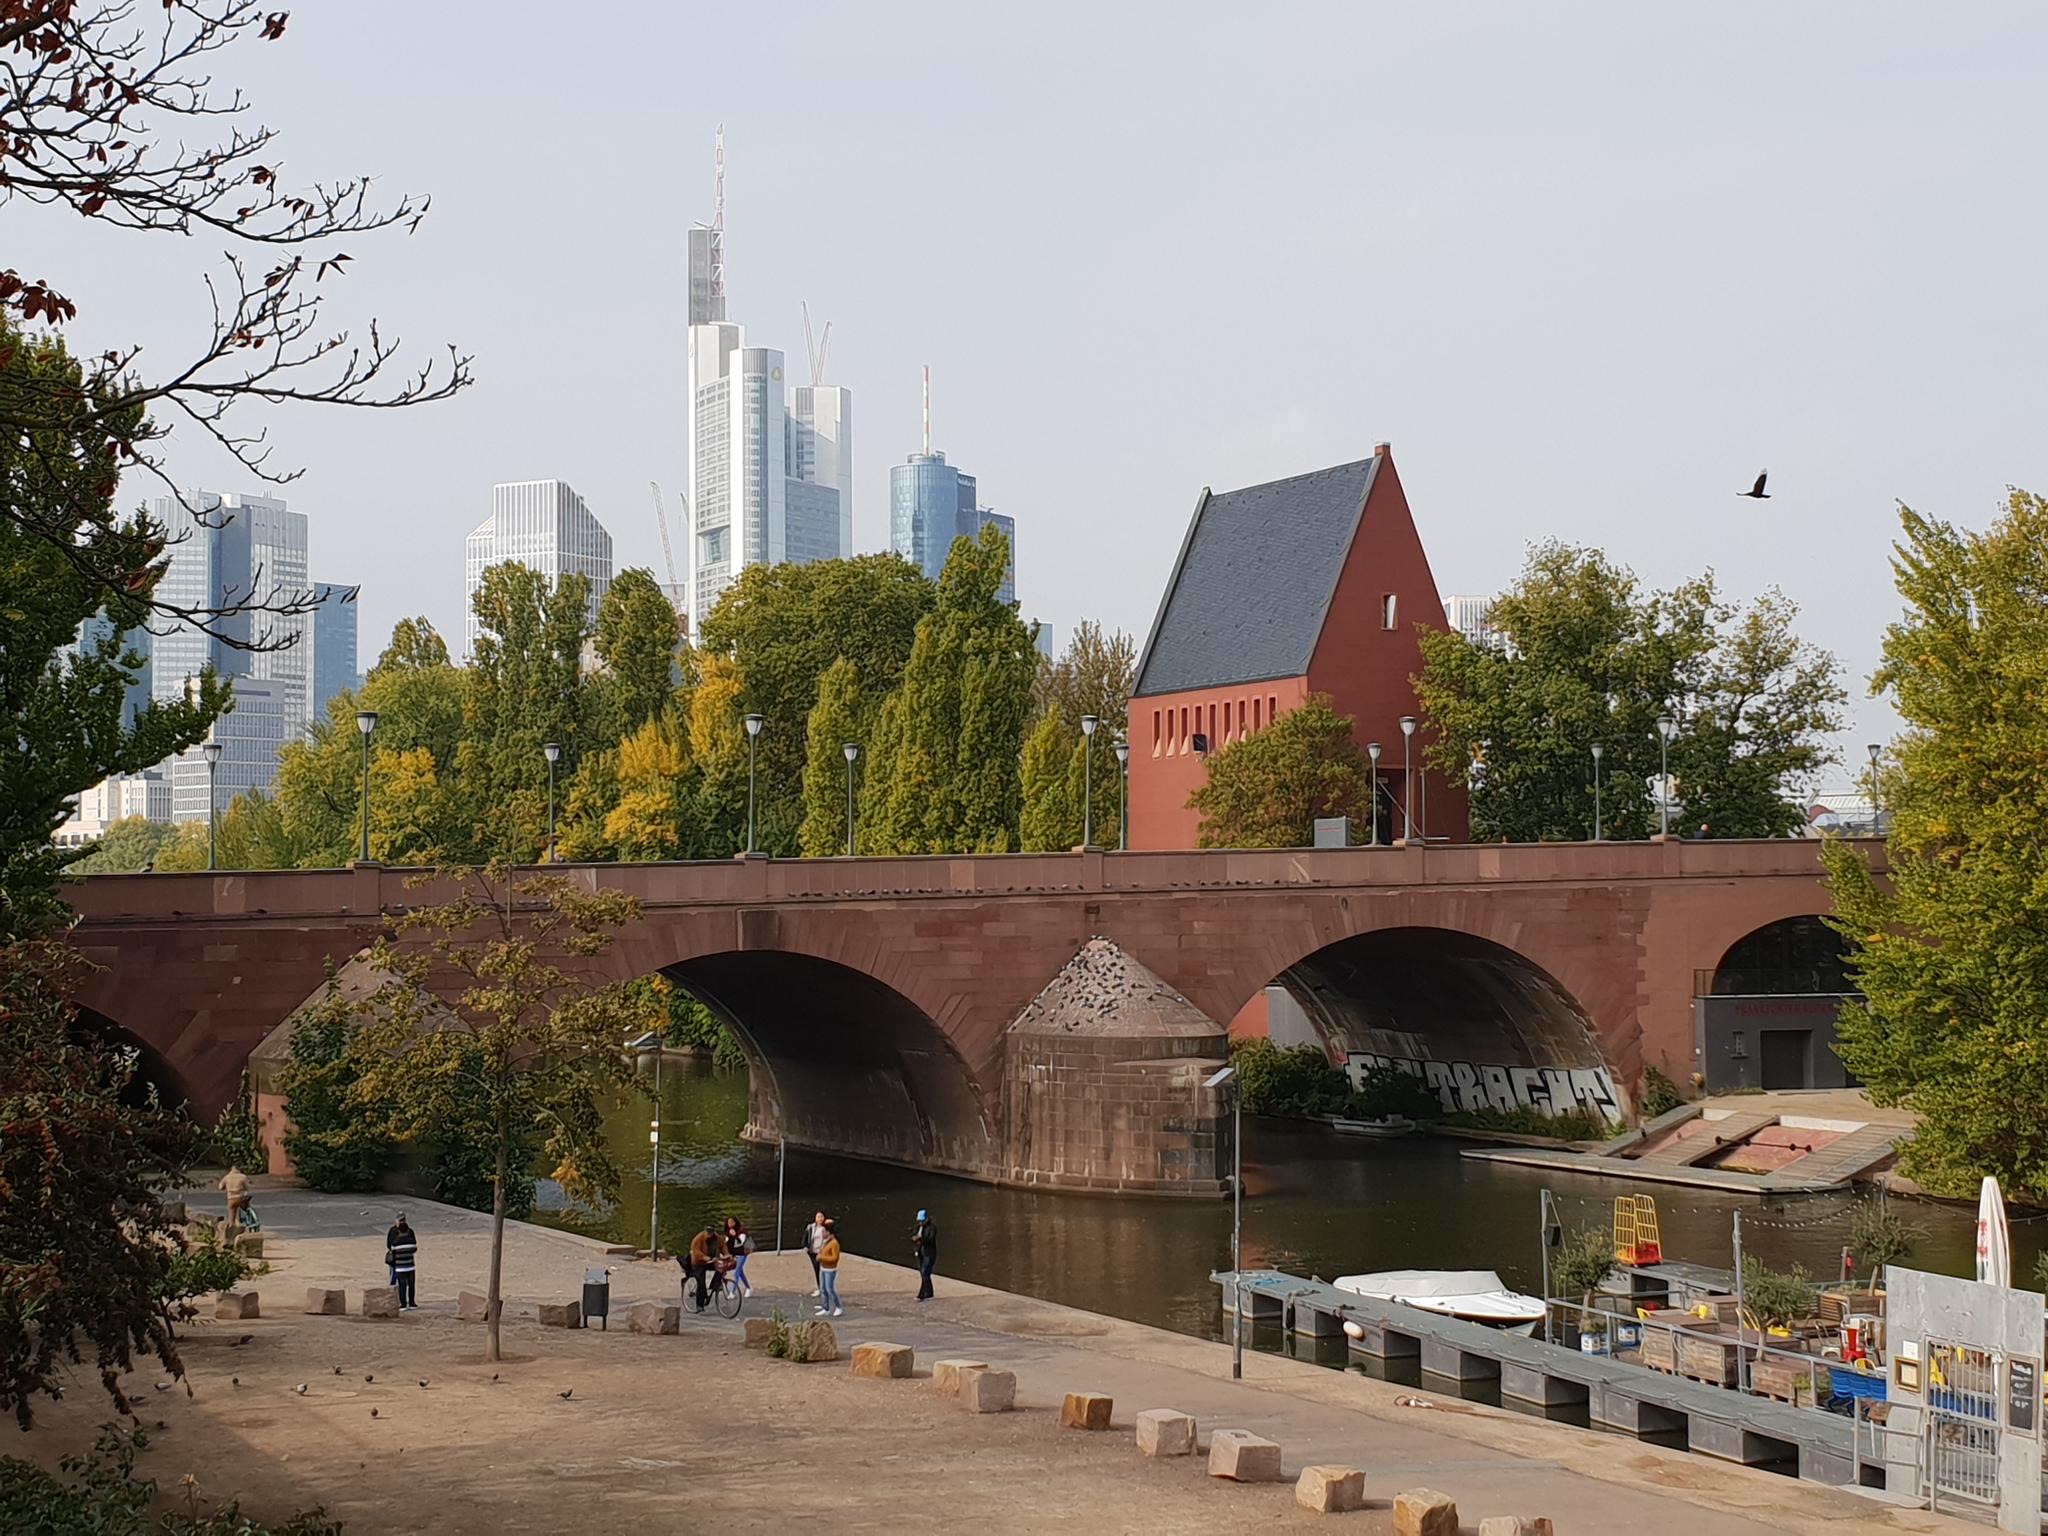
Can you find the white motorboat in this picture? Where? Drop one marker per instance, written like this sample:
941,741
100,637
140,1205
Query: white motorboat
1383,1129
1471,1295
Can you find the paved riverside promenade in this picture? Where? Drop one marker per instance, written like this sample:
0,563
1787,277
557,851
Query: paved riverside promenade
696,1431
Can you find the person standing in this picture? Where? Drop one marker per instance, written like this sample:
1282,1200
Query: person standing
398,1229
404,1243
814,1239
828,1271
926,1241
739,1245
235,1185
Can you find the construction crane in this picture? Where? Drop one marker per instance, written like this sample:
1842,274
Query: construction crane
817,346
668,553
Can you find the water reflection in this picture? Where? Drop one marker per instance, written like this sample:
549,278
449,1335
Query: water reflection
1314,1205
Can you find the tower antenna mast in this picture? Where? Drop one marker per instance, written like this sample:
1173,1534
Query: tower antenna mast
718,222
927,410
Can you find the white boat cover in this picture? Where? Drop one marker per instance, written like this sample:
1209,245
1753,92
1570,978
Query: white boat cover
1477,1294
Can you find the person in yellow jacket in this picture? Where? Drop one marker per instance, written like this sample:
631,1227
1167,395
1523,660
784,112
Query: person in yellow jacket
828,1272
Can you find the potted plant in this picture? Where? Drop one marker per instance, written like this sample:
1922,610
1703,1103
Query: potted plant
1581,1267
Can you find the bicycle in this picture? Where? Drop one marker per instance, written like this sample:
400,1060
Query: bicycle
719,1292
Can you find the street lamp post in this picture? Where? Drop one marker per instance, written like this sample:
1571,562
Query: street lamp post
1088,724
211,752
753,723
1598,752
1876,821
852,751
1667,728
1372,750
1123,795
652,1041
552,751
1227,1078
1407,776
366,722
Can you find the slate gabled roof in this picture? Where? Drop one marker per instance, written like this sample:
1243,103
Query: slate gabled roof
1254,580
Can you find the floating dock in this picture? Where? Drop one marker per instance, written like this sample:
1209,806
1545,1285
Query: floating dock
1550,1378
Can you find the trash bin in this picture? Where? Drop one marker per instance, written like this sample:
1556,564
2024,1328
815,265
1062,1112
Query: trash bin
597,1296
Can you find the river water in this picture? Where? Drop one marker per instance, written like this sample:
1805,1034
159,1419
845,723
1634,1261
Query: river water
1315,1204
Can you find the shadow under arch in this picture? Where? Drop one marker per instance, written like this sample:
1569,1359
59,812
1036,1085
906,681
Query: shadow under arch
1792,956
152,1070
841,1062
1484,1025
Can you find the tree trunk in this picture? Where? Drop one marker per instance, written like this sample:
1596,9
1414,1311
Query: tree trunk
492,1304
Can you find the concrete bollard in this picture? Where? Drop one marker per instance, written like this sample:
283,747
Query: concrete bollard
1424,1512
1330,1490
237,1306
380,1301
1244,1457
1165,1432
654,1317
473,1307
1515,1525
561,1314
885,1362
1086,1410
988,1391
325,1303
946,1375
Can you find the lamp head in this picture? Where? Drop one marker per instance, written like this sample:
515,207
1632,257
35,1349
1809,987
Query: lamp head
1372,750
211,750
754,724
366,720
551,750
1088,724
1876,750
852,750
1598,751
1407,725
1667,727
1221,1078
1123,752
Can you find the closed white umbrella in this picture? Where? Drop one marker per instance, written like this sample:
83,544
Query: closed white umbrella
1994,1240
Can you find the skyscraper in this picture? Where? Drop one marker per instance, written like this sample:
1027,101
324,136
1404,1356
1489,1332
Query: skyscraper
1468,616
250,733
334,647
544,526
136,696
771,470
932,503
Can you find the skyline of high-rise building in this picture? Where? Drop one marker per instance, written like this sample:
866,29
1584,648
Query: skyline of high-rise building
335,647
1468,616
250,732
546,527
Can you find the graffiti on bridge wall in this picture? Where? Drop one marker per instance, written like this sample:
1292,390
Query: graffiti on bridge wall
1471,1085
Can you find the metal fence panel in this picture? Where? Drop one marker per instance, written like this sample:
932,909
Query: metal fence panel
1961,1456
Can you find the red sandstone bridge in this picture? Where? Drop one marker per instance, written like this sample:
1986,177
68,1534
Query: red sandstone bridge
879,1000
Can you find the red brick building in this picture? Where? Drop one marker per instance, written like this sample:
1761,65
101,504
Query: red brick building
1313,584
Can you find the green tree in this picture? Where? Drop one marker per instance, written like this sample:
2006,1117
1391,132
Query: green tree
525,689
128,847
1094,675
1267,789
1051,818
1951,953
943,776
85,1246
651,816
782,626
62,693
835,720
325,1140
527,1041
184,850
638,637
1583,656
415,645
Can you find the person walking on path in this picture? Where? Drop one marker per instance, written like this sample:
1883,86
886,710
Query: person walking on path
814,1239
926,1241
739,1245
403,1243
828,1271
235,1185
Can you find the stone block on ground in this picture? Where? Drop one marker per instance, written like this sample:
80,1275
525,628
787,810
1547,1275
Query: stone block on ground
886,1361
1330,1490
1424,1512
237,1306
249,1244
561,1314
1244,1457
655,1317
325,1303
174,1212
824,1343
988,1391
1086,1410
757,1331
947,1373
380,1301
1165,1432
473,1307
1515,1525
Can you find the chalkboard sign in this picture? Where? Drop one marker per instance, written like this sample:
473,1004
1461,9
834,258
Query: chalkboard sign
2022,1395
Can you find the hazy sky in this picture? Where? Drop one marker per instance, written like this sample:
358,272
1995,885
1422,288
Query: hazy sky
1588,268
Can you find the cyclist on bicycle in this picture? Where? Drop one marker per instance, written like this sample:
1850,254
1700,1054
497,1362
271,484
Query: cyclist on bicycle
706,1248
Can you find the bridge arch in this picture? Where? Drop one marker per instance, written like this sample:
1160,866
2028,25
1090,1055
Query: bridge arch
841,1061
1802,954
152,1071
1482,1023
